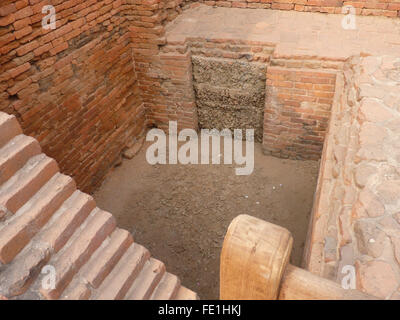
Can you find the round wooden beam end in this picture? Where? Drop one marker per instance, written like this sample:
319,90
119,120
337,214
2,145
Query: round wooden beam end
253,259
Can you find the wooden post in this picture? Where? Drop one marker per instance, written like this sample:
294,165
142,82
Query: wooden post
253,259
254,266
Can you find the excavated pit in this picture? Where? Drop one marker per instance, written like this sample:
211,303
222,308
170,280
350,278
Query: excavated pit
87,92
181,212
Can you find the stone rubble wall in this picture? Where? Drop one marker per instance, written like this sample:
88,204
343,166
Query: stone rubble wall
356,219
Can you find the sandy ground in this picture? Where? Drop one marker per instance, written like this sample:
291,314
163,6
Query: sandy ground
181,212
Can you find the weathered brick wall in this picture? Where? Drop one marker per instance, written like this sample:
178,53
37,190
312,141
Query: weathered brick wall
164,77
390,8
73,88
355,218
297,111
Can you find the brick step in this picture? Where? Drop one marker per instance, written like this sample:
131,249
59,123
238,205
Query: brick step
26,266
15,154
23,270
9,128
67,219
167,289
99,266
68,261
17,190
103,261
120,279
76,291
17,231
46,222
186,294
148,279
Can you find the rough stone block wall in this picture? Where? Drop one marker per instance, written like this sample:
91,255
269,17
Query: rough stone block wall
355,218
297,112
390,8
73,88
229,94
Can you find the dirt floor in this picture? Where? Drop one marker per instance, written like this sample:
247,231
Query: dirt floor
181,212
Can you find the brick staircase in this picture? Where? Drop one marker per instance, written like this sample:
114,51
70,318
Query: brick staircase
45,220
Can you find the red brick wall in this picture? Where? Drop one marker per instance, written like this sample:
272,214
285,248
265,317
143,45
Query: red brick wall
164,78
389,8
297,112
73,88
176,101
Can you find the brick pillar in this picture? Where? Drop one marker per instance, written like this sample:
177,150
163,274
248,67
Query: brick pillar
177,88
165,80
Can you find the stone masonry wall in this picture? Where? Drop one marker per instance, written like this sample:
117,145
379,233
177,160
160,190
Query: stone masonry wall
297,111
73,88
355,218
390,8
